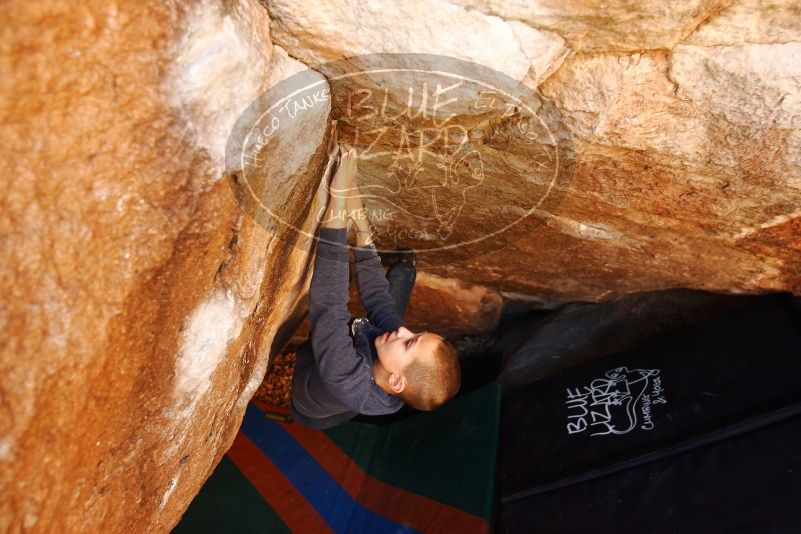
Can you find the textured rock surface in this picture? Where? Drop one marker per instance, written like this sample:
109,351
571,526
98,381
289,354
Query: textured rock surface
452,308
627,25
684,122
316,32
140,304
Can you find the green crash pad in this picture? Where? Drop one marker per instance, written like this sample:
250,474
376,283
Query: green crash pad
431,472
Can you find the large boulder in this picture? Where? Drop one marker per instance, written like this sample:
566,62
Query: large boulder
682,163
141,302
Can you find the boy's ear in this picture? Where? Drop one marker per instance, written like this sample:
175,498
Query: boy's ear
396,383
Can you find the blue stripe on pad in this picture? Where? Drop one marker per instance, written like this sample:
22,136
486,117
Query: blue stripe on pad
332,502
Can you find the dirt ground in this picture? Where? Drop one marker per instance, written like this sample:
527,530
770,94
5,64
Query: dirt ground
276,389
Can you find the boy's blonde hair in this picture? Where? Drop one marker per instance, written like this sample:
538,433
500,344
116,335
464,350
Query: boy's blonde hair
432,381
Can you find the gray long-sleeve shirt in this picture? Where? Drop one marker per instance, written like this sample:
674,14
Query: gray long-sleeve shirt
333,380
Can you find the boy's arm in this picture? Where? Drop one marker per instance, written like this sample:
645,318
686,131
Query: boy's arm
340,367
370,279
374,289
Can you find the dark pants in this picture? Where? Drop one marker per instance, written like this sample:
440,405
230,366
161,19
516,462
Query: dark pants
401,278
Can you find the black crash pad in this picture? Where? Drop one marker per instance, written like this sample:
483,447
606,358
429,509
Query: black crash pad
698,430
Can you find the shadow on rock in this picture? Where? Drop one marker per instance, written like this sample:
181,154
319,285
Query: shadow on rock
544,345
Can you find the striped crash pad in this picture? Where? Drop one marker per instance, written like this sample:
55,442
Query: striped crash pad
431,472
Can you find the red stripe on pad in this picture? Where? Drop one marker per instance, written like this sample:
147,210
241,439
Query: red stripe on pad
415,511
293,509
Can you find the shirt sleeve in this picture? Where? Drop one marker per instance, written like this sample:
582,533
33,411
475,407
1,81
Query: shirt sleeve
374,289
344,373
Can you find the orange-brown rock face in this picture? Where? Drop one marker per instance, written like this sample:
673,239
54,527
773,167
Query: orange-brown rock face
451,308
140,303
680,159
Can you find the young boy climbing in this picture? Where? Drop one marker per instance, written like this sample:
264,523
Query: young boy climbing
377,364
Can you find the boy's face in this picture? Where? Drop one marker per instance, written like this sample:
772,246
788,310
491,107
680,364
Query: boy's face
398,349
